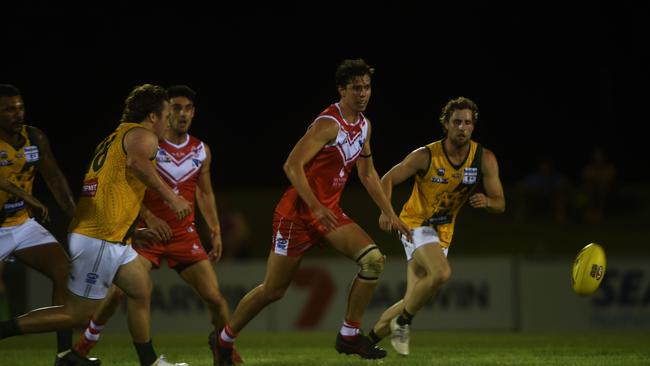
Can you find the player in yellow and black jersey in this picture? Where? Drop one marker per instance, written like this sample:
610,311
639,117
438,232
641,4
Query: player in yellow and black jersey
119,171
447,173
24,150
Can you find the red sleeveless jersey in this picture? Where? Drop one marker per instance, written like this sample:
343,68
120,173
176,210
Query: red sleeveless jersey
179,166
329,170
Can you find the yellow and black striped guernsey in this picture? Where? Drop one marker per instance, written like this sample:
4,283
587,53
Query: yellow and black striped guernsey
18,166
439,194
111,195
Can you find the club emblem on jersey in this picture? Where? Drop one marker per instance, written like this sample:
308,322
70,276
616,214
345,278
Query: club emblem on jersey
3,154
470,175
440,172
31,153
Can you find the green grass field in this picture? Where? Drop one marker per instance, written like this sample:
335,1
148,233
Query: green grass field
316,348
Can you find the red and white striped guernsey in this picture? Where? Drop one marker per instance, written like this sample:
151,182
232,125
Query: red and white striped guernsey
179,166
329,170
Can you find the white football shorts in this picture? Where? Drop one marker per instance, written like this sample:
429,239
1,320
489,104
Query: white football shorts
422,235
94,264
26,235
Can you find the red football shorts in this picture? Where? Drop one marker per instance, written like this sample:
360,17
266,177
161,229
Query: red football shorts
294,235
183,249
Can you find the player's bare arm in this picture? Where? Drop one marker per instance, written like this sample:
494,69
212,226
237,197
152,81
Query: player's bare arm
49,169
493,200
322,132
140,145
417,162
32,201
208,206
370,180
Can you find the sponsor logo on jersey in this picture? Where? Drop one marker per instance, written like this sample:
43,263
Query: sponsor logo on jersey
470,175
89,188
5,162
439,180
31,153
11,207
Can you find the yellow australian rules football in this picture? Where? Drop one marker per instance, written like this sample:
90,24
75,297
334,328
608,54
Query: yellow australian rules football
588,269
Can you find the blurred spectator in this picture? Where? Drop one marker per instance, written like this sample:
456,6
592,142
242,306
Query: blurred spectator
235,232
597,183
542,193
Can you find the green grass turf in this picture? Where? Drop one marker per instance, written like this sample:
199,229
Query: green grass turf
316,348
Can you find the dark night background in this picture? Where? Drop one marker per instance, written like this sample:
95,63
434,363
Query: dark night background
550,79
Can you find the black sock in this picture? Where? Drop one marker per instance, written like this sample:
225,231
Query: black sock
63,340
374,337
404,318
146,354
9,328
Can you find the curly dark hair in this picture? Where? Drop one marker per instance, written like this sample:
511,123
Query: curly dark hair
348,69
142,100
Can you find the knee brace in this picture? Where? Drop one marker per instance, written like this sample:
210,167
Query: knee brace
371,262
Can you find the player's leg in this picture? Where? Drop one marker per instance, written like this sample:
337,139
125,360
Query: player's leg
279,274
354,243
51,260
104,312
432,270
280,270
201,277
382,327
133,278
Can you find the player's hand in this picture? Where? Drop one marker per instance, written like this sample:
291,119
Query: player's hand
217,248
42,212
159,227
181,207
325,216
144,237
392,222
479,200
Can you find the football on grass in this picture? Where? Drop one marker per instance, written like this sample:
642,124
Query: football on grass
588,269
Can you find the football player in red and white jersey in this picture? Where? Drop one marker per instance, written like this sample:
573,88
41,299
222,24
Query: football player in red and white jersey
183,161
309,213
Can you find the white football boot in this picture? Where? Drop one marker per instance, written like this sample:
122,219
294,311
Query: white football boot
399,337
162,361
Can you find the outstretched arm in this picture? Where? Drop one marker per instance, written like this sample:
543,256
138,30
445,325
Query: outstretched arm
493,200
370,180
208,206
140,144
49,169
320,134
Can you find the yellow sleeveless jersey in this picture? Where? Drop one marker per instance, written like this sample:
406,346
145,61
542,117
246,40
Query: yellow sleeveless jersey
111,195
18,166
441,192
